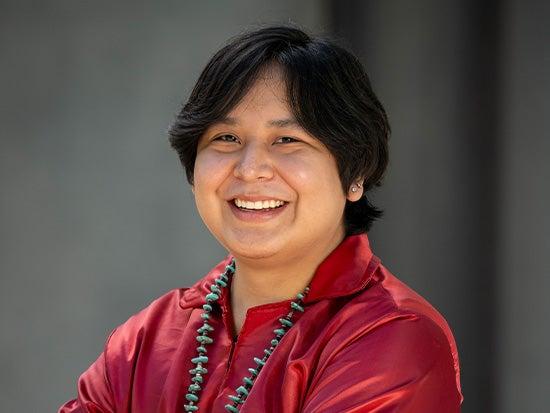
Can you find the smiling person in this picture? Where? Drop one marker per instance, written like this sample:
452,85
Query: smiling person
281,140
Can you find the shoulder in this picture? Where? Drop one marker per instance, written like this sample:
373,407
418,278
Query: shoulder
162,310
406,301
403,360
375,319
162,321
170,311
388,336
409,329
162,318
386,298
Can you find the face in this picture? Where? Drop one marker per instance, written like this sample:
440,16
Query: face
263,186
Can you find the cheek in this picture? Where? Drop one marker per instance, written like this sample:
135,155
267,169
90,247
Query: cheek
210,171
300,171
209,174
317,184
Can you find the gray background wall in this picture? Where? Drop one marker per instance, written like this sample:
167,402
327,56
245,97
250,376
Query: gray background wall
97,219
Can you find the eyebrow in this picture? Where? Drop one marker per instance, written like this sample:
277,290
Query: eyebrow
281,123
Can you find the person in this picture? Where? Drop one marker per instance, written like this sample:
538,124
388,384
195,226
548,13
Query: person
281,140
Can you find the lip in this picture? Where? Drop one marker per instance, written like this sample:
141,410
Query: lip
259,215
254,198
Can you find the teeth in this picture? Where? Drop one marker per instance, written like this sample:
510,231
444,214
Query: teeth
271,203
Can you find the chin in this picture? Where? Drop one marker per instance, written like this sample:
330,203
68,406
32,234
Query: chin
252,254
254,247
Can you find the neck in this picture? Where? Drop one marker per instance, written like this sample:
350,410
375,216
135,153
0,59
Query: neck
270,280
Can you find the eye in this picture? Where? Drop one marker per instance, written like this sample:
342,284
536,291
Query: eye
226,138
287,139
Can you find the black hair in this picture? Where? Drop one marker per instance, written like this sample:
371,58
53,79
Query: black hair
329,94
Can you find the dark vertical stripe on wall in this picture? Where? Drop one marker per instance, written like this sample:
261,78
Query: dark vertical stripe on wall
479,105
475,167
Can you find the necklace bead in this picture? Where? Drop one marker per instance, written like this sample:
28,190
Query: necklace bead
242,392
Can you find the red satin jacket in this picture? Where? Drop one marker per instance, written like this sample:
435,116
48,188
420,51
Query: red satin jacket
365,343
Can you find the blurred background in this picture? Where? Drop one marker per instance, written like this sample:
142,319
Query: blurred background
97,219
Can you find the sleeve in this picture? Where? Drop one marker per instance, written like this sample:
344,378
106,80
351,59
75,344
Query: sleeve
94,389
404,365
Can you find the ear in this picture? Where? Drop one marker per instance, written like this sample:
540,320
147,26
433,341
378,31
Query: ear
355,192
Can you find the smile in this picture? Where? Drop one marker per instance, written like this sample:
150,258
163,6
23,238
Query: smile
258,205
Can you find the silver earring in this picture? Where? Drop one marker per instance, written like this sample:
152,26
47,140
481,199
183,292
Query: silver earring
353,188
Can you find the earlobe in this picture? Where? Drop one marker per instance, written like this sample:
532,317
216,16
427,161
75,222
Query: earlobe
356,192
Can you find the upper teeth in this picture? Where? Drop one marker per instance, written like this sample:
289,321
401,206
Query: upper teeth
271,203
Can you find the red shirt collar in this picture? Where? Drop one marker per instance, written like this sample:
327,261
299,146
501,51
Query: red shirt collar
347,270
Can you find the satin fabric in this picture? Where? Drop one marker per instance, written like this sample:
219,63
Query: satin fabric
365,343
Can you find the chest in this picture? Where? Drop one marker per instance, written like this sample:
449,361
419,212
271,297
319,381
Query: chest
281,385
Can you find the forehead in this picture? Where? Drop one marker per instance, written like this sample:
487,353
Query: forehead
267,93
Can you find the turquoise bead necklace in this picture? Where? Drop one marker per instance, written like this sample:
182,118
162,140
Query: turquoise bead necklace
204,340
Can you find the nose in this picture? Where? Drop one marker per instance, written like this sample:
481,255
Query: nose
254,163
